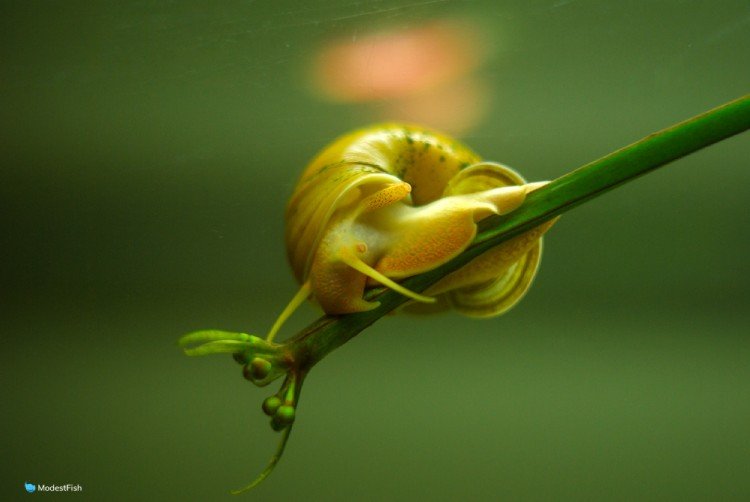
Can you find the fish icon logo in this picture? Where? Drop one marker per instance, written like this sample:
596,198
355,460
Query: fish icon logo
30,487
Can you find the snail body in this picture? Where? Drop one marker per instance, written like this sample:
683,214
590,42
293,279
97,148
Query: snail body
391,201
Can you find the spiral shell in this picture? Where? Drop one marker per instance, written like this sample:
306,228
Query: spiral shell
390,201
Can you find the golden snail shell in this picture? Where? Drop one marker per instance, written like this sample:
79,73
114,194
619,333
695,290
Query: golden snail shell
390,201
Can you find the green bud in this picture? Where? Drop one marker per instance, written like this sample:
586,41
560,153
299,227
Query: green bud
270,405
285,414
260,367
257,369
283,417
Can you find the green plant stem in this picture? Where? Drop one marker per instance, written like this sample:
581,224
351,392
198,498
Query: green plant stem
658,149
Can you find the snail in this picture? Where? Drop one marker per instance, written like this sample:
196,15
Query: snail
374,207
391,201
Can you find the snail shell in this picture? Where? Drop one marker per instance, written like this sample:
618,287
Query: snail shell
390,201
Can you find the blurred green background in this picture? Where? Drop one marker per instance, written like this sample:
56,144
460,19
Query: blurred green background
148,149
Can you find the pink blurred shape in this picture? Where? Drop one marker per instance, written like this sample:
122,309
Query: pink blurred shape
397,63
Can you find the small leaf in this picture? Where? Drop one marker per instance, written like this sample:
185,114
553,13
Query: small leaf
211,335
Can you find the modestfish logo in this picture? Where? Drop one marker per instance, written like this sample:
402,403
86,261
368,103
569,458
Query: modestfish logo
30,487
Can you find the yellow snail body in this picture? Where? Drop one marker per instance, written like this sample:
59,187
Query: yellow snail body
391,201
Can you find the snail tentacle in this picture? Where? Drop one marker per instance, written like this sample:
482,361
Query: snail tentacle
373,274
384,197
298,299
